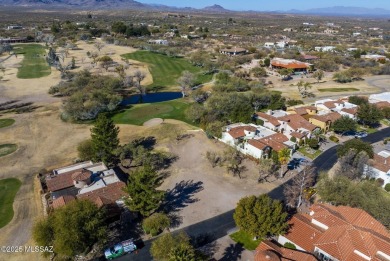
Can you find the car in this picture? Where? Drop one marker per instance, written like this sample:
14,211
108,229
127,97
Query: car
361,134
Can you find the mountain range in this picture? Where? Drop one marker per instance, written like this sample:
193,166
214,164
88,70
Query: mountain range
132,4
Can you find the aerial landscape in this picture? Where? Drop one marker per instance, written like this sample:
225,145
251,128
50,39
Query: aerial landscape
208,130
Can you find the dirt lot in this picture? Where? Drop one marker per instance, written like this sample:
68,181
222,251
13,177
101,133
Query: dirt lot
198,191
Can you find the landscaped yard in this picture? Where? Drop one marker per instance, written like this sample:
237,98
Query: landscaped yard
368,130
6,149
8,190
166,70
310,153
34,64
6,122
337,89
140,113
246,240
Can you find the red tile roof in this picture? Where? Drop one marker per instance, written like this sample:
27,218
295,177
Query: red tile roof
268,251
62,201
381,163
352,111
298,135
107,195
81,175
292,65
257,144
304,110
275,141
332,117
350,231
239,132
382,104
60,181
271,119
296,122
302,232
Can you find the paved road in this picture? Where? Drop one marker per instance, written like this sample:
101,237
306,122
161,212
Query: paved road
220,225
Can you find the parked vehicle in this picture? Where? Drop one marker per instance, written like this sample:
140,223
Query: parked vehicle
120,249
361,134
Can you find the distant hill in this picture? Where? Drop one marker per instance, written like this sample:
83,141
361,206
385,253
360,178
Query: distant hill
83,4
343,11
215,8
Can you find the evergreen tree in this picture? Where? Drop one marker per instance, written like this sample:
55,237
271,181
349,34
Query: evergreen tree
260,216
142,189
357,145
344,124
369,114
105,140
72,229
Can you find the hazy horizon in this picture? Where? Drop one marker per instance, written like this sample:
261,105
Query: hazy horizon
270,6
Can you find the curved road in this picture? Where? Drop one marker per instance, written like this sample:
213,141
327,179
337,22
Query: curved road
220,225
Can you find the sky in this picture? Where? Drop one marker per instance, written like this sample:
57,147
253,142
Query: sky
267,5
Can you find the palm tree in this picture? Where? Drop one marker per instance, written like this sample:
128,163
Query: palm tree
284,157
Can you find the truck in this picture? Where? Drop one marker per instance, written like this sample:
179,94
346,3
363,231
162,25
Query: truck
120,249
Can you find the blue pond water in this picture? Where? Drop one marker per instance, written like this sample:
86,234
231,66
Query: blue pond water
151,97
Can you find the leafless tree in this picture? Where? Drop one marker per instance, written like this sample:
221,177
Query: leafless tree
186,81
139,76
213,158
233,161
267,169
99,46
354,165
294,191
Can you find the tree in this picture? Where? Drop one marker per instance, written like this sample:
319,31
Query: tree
358,100
233,160
357,145
105,140
139,77
354,165
105,62
267,62
142,190
156,223
72,229
260,216
171,247
303,88
186,81
85,150
284,156
294,191
344,124
369,114
267,169
99,46
313,143
319,74
119,27
259,72
386,112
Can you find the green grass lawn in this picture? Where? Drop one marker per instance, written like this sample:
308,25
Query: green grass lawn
166,70
6,149
6,122
310,155
8,190
337,89
244,239
139,113
368,130
34,63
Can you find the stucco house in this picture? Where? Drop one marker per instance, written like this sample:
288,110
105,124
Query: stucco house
325,121
380,167
338,233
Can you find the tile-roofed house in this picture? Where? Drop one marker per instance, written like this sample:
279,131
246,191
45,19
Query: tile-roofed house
382,104
275,141
295,123
339,233
350,112
280,63
325,121
270,121
269,251
59,182
303,110
62,201
235,133
256,148
111,193
380,166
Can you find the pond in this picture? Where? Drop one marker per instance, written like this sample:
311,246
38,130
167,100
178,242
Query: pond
151,98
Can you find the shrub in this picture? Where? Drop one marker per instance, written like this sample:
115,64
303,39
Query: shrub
289,245
313,143
334,138
293,139
387,187
380,182
156,223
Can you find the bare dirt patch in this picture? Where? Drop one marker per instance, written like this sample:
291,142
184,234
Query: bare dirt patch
153,122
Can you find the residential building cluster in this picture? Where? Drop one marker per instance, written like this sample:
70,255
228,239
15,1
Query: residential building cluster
85,180
330,233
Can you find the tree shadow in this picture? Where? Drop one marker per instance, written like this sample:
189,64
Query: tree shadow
146,142
232,252
205,243
182,195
